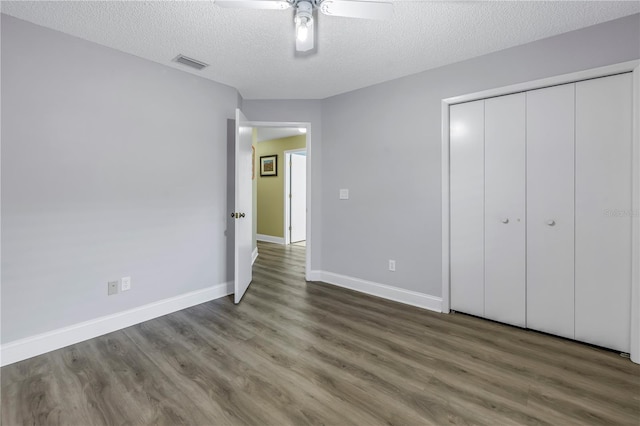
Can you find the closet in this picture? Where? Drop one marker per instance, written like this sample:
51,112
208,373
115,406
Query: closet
541,209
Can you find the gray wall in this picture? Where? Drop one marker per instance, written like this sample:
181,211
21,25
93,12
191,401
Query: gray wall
383,144
307,111
112,166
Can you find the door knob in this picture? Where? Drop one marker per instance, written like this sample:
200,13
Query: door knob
241,214
551,222
505,220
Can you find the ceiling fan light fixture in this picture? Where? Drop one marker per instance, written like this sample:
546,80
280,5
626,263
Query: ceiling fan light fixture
303,20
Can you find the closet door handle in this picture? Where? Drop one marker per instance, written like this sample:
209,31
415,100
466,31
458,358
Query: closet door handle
551,222
505,220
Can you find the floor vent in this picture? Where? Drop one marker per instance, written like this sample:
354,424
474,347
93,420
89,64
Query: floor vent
181,59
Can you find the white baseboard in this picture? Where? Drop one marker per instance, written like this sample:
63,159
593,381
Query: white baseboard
270,239
315,276
384,291
254,255
19,350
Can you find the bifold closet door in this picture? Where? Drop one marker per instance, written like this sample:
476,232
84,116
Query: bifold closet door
550,210
466,159
603,211
504,144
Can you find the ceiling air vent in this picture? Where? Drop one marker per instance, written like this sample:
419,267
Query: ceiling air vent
181,59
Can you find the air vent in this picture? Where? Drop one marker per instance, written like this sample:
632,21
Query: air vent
181,59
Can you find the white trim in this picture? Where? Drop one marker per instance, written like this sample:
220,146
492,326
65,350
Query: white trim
307,126
635,224
270,239
19,350
445,210
314,276
545,82
254,255
630,66
384,291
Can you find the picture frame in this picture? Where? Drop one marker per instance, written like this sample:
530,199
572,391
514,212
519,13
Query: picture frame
268,165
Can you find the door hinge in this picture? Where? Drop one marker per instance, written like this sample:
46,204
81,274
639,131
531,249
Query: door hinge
289,195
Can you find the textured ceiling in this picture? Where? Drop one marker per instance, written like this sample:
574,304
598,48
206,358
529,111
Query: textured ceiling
253,50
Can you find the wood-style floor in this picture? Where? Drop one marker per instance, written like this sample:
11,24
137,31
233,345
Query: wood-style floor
310,353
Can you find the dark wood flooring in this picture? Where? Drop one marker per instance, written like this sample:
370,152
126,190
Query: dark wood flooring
310,353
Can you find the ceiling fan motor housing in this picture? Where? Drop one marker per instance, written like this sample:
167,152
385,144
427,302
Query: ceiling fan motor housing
304,11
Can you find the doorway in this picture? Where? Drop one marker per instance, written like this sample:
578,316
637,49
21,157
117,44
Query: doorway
303,131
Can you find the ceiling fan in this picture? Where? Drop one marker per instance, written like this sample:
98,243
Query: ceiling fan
304,10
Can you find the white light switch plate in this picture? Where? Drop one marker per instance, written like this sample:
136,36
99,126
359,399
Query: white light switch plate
344,194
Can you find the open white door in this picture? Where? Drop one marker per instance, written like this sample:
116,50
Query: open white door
298,204
243,207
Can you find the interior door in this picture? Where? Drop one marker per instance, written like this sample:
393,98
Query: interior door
298,204
550,210
243,207
466,151
504,273
604,211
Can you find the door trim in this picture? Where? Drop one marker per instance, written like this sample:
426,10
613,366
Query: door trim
287,190
630,66
306,125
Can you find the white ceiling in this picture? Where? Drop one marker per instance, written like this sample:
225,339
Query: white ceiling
253,50
269,133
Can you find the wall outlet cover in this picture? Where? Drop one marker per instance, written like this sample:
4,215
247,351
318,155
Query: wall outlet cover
392,265
344,194
125,283
112,288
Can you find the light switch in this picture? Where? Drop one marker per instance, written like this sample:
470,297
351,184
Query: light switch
344,194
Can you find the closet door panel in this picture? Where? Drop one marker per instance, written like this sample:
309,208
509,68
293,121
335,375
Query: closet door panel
467,207
505,209
550,210
603,211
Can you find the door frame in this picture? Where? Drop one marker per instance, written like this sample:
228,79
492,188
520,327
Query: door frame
630,66
287,190
306,125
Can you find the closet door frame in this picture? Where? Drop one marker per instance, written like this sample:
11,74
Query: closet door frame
631,66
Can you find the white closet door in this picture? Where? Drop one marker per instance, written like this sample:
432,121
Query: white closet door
603,211
467,207
550,210
504,295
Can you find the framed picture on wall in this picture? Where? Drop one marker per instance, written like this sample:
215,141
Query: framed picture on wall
269,165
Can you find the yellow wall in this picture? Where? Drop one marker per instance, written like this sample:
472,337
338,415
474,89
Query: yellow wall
271,188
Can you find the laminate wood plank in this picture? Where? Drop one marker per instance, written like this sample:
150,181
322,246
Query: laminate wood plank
294,353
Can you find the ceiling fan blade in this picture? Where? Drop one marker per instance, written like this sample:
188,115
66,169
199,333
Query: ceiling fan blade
254,4
357,9
307,44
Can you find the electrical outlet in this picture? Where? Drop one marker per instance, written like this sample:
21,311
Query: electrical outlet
392,265
125,283
112,288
